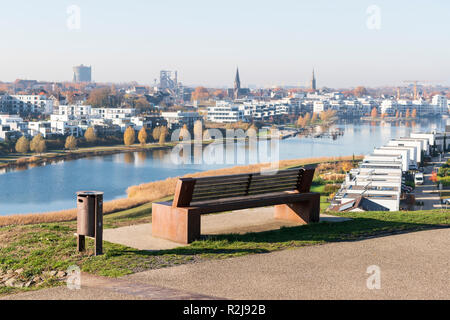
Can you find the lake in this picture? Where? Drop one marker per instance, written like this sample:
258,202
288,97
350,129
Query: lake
43,188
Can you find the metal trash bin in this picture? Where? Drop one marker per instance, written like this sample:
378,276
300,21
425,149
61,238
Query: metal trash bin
90,218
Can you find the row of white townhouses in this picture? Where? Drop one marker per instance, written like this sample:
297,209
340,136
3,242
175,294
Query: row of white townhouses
378,184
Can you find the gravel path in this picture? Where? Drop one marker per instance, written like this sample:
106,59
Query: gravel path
413,266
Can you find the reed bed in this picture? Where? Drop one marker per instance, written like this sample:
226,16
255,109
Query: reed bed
148,192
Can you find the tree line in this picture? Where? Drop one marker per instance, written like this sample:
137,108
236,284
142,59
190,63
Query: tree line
39,145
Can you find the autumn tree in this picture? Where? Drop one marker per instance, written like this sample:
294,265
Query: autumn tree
200,93
142,136
129,136
141,103
41,146
408,115
34,144
300,121
374,113
347,166
397,114
327,115
220,94
99,97
22,145
163,134
314,118
71,143
414,113
90,135
360,91
156,133
307,119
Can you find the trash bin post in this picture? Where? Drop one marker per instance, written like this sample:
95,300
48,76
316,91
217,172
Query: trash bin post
90,219
99,225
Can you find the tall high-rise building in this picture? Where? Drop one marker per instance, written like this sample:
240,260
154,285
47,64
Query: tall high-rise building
82,73
313,81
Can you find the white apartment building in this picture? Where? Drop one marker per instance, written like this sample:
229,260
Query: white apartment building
225,112
113,113
389,107
65,125
26,103
76,111
411,143
411,153
439,102
39,127
434,139
181,118
387,158
320,106
403,153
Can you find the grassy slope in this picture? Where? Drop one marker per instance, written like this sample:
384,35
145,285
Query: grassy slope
51,246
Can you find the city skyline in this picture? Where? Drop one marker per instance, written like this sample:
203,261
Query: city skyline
336,40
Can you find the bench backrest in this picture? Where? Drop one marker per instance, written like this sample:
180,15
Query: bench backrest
192,190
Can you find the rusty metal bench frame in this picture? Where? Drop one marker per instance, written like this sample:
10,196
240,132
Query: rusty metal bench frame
287,190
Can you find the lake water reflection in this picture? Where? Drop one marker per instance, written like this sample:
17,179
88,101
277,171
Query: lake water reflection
43,188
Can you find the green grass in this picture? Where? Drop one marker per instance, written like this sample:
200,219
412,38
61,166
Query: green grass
52,246
444,194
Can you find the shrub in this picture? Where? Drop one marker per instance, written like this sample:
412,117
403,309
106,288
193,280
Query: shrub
444,180
331,188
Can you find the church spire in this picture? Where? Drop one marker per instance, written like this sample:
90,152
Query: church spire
313,81
237,80
237,84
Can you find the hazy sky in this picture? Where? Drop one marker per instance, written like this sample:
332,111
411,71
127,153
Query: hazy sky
272,42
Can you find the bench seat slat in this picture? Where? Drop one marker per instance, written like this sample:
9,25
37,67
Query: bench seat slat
221,185
226,192
249,202
272,182
268,189
243,177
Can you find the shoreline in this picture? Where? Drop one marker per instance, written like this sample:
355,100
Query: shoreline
148,192
79,154
57,155
388,119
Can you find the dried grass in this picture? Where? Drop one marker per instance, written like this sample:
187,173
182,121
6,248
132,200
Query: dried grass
148,192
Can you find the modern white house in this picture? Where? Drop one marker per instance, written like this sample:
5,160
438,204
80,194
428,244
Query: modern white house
409,143
225,112
377,184
434,139
180,118
113,113
412,154
403,153
387,159
75,110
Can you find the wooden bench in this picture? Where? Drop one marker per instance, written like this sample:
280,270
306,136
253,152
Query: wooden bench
287,190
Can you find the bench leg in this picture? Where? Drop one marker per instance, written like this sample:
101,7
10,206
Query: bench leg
175,224
304,212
